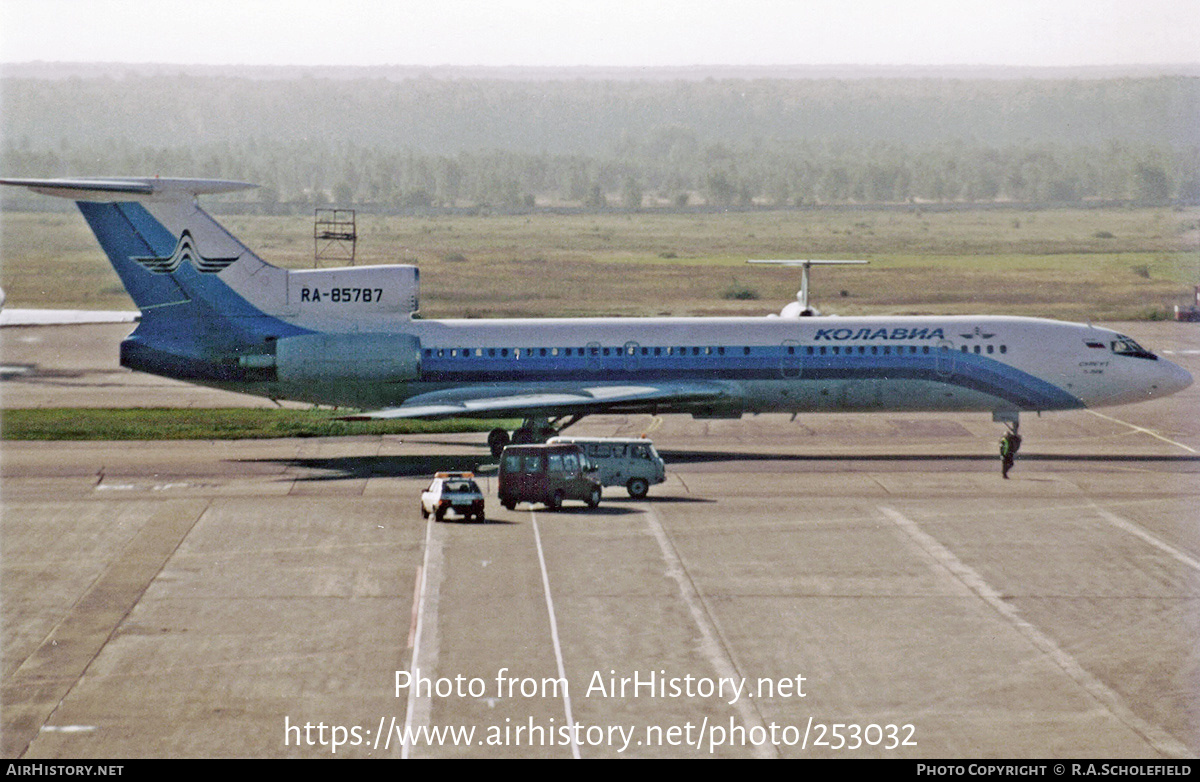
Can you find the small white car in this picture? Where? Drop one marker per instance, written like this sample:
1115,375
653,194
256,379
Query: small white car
454,492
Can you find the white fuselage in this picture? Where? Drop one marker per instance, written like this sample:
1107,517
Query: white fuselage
782,364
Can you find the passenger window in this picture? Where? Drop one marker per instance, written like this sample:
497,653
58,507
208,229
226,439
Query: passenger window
533,464
556,462
571,462
512,463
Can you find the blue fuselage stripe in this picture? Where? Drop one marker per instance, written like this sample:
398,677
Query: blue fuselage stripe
978,373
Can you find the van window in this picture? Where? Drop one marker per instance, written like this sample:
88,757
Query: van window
556,462
533,464
512,463
571,462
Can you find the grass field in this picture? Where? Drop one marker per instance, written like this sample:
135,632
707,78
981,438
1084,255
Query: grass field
209,424
1070,264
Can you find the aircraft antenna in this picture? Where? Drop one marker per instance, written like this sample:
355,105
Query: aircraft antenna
335,236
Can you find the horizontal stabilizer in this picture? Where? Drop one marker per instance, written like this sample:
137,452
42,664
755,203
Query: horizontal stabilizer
127,188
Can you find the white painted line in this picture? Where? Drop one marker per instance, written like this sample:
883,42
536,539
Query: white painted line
1139,532
418,587
418,709
713,646
1159,739
1143,430
558,656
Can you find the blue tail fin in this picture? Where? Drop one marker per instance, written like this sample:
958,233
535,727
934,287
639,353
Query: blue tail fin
213,311
201,315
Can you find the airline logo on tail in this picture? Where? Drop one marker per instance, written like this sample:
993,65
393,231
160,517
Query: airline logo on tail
184,251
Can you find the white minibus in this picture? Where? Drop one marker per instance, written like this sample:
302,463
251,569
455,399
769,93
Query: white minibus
622,461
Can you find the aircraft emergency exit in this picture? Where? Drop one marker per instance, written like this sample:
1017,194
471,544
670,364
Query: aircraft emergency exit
214,313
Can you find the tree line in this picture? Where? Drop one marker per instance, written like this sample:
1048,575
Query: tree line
425,143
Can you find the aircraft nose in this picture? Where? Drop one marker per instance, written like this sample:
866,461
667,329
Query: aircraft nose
1176,379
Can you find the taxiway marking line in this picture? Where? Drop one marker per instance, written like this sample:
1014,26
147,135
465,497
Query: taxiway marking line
1144,430
713,646
425,611
31,698
558,656
1159,739
1139,532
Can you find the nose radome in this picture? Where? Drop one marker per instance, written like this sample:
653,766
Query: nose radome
1178,378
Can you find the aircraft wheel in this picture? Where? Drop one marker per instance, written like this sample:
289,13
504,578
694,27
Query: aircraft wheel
497,439
638,487
524,437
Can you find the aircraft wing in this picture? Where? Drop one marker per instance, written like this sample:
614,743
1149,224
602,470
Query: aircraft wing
485,401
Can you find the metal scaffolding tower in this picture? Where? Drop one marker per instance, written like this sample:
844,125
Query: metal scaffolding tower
335,236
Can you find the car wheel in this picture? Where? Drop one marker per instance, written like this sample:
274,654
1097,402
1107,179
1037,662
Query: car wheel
508,505
424,513
594,497
439,514
638,487
480,517
556,501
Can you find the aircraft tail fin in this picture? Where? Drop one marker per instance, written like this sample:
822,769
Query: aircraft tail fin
210,307
164,247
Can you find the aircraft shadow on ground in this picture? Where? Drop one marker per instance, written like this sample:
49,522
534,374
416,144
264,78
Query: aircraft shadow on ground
365,467
702,457
343,468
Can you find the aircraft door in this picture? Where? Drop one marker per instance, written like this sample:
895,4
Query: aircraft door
632,356
943,362
789,360
592,357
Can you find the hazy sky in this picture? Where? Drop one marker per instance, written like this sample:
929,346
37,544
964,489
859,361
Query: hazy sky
603,32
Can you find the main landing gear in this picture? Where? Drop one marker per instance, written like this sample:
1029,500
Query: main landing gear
531,431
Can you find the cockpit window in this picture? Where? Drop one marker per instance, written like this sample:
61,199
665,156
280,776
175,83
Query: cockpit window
1124,346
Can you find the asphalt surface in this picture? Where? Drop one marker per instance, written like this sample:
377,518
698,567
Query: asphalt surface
832,586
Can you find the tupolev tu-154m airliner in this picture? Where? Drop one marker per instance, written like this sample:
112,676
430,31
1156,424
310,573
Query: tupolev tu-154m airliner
214,313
